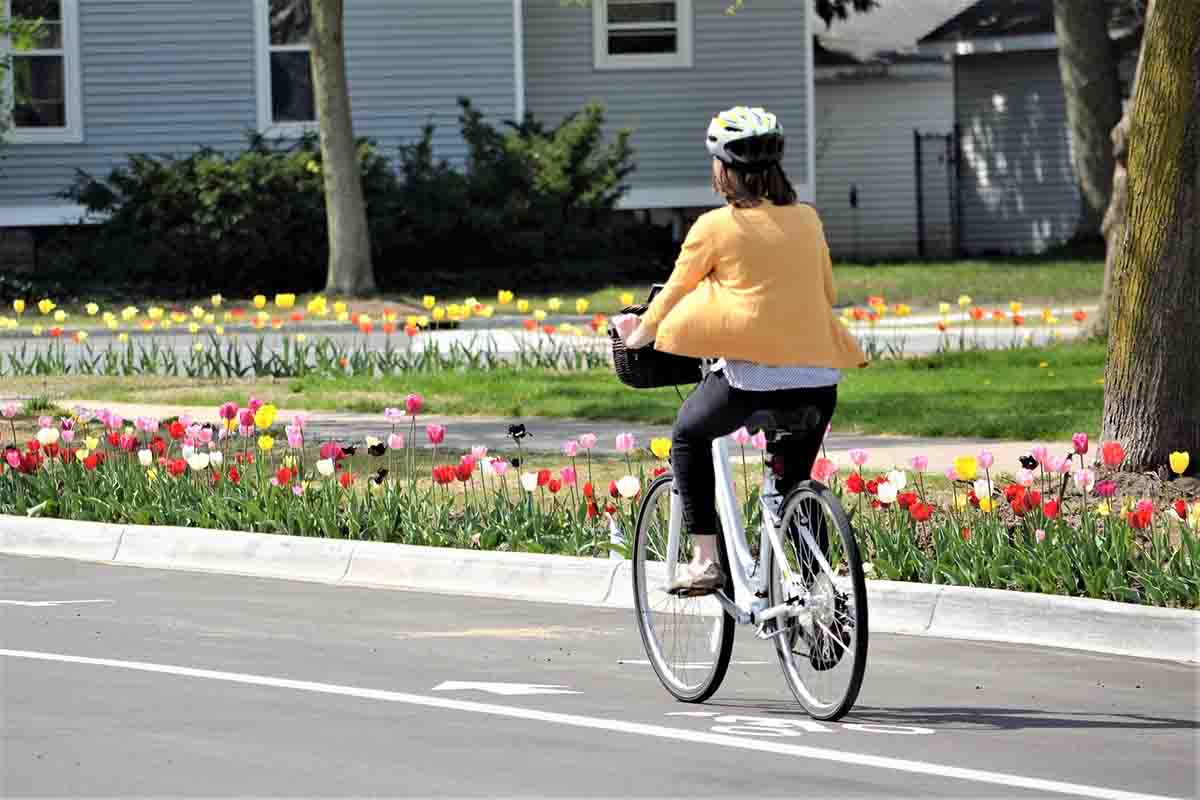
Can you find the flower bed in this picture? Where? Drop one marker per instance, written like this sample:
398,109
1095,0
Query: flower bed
1057,527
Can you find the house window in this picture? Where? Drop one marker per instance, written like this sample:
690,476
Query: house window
636,34
286,103
43,86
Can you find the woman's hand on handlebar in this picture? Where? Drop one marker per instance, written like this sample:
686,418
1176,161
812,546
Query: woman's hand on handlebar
631,331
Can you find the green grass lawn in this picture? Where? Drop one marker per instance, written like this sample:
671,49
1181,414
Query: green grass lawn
1008,394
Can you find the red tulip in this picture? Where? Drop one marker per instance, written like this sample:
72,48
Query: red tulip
1112,454
114,439
1050,509
612,489
91,462
177,467
966,534
921,512
176,430
1018,320
854,484
1079,316
592,510
543,477
233,475
1180,509
1141,519
659,471
283,476
464,470
529,324
554,485
588,491
346,479
158,446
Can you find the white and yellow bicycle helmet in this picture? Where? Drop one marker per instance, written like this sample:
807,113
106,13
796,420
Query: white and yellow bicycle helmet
748,139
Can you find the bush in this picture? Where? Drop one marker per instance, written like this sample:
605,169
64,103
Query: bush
530,198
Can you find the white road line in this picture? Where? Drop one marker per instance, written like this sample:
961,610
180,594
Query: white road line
49,603
619,726
641,662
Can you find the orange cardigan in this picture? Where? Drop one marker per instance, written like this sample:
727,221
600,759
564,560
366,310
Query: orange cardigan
756,285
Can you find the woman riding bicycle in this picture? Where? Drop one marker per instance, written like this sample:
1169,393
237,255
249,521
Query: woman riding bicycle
753,287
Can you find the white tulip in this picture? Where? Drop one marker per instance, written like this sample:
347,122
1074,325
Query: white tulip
47,436
1025,477
983,488
145,458
326,467
198,461
216,458
529,481
187,451
898,479
887,492
628,487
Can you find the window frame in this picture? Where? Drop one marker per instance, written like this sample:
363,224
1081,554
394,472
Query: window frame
72,132
263,96
680,59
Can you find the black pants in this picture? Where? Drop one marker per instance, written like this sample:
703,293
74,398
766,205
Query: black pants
716,409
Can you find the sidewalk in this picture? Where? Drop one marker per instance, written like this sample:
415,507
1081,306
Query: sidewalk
546,435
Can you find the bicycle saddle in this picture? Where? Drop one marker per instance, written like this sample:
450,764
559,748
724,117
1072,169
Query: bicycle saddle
792,422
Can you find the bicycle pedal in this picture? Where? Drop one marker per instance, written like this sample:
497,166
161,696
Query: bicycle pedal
766,635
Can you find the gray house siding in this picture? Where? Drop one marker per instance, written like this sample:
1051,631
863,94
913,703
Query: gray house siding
865,140
757,57
1018,188
159,76
166,76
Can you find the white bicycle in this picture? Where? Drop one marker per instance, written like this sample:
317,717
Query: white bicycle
804,590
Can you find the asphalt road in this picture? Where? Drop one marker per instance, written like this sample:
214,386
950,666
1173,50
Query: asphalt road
197,684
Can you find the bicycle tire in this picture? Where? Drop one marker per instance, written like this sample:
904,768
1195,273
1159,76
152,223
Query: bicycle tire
842,615
705,673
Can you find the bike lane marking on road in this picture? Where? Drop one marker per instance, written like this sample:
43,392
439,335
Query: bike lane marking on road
619,726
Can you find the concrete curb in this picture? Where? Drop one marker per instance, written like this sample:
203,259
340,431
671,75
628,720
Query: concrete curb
952,612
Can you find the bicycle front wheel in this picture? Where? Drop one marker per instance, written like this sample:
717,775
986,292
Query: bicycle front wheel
824,652
688,640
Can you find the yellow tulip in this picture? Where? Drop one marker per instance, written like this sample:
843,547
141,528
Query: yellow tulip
198,347
626,298
37,330
961,501
964,300
301,338
966,467
155,313
439,313
944,308
339,307
902,310
487,311
660,447
19,306
987,505
260,301
265,416
554,303
266,443
193,329
92,309
423,321
152,474
91,443
1179,462
60,316
81,336
285,301
504,297
178,317
122,337
581,306
216,300
1104,509
220,330
165,325
112,324
1014,307
129,313
46,306
539,315
523,306
210,319
343,316
429,301
81,455
318,305
470,302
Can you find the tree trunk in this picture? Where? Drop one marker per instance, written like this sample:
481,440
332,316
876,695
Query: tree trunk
1113,226
1087,61
350,270
1151,400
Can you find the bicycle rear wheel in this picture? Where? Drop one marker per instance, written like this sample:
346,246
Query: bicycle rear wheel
823,656
688,640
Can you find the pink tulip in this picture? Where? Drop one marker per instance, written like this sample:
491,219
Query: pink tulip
1106,489
295,437
129,443
146,424
759,441
986,459
13,457
500,466
1040,535
9,411
1144,506
228,411
66,423
185,419
299,421
68,435
468,461
1062,466
254,404
1085,479
951,473
479,452
246,431
1040,454
45,422
1025,477
204,435
919,463
858,456
393,415
587,441
741,436
823,469
395,442
571,448
1080,440
625,442
246,418
436,433
298,490
84,415
414,403
568,476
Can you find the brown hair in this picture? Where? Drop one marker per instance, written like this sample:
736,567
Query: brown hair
747,189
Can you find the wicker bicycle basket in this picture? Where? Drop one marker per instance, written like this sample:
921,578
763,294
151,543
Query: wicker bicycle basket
647,368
